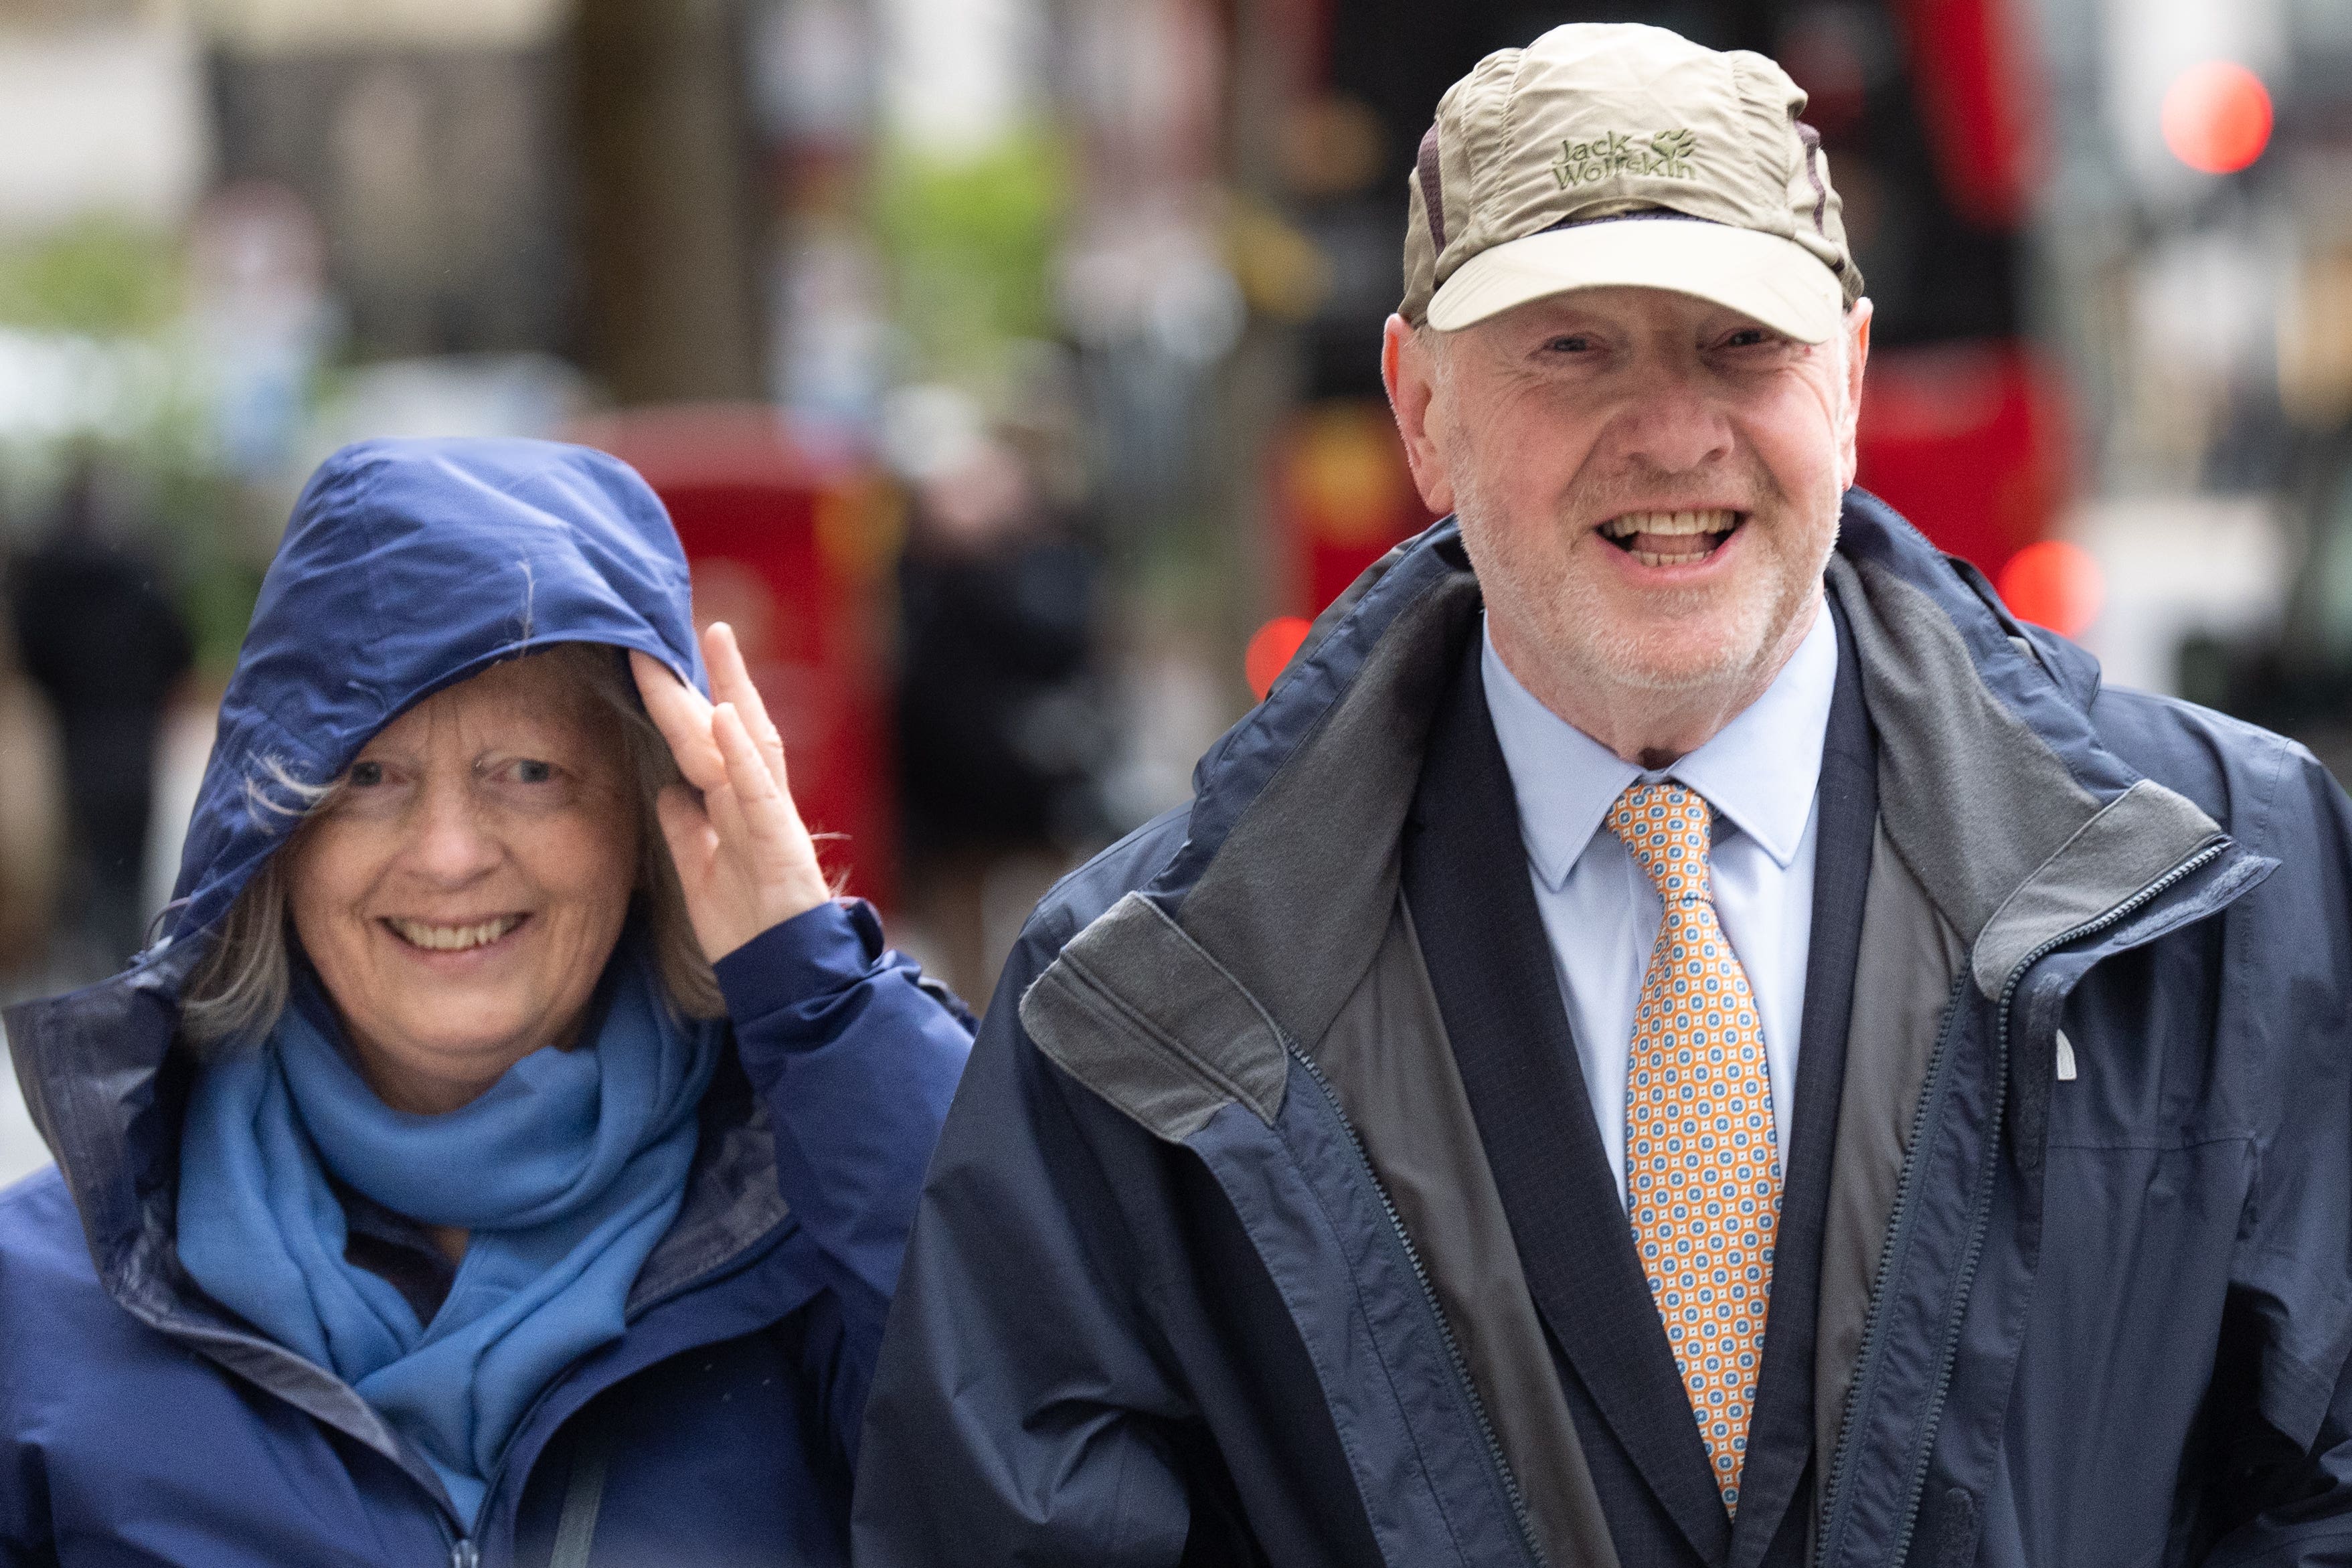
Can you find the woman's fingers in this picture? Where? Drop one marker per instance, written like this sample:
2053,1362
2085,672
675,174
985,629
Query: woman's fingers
743,855
685,718
727,822
730,682
781,855
769,819
682,716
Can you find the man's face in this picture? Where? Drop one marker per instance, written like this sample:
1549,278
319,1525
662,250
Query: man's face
1648,484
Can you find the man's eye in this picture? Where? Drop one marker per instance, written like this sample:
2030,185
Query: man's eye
529,771
1747,338
366,775
1570,345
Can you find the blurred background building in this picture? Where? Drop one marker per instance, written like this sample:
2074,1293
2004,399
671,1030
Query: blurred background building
1010,366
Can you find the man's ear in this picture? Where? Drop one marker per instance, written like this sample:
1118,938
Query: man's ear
1414,397
1857,355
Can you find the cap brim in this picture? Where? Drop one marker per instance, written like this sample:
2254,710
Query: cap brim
1776,282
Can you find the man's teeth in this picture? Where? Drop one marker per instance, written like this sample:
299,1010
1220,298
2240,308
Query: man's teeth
1697,527
1715,521
454,938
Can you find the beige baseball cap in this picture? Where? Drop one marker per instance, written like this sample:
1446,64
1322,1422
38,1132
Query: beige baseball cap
1615,153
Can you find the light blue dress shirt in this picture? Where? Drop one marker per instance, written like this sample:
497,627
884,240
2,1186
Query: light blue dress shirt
1601,911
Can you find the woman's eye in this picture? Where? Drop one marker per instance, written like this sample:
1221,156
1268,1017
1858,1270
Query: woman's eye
366,775
531,771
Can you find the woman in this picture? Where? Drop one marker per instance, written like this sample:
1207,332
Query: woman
506,1154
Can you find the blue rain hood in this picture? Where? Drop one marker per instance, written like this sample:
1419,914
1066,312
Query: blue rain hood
407,567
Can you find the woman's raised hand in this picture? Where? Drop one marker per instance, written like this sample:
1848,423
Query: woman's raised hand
743,855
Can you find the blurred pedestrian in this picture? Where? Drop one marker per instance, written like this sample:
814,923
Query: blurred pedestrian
1680,1032
505,1155
103,640
1000,735
32,815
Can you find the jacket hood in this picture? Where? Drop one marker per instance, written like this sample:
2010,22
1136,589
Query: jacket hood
407,567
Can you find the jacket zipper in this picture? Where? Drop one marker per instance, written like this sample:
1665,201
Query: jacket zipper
1895,1223
1436,1311
1980,1209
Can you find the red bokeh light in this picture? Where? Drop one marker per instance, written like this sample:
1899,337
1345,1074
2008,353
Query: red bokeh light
1270,648
2053,584
2217,117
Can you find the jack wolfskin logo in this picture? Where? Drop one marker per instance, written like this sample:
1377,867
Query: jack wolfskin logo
1668,155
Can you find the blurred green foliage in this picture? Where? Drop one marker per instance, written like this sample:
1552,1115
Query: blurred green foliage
98,276
121,288
971,242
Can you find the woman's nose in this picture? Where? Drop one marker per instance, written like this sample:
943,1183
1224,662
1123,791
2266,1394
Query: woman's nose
451,842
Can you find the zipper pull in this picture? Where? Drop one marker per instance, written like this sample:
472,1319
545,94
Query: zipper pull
465,1555
2065,1057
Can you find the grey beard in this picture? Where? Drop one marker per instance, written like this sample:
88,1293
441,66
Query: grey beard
1547,599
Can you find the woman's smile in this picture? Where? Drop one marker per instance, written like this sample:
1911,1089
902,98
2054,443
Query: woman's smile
439,936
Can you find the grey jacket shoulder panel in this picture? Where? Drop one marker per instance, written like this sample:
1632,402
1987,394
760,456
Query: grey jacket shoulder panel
2127,844
1139,1012
1177,1000
1296,923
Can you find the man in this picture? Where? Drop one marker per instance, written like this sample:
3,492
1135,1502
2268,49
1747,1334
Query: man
1680,1032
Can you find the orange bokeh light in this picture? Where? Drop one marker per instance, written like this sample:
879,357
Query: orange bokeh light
2217,117
2053,584
1270,648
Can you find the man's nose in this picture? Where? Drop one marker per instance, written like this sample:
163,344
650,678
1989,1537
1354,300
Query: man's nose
1672,424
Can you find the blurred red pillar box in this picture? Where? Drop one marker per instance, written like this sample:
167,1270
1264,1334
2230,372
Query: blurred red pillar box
796,552
1343,497
1969,442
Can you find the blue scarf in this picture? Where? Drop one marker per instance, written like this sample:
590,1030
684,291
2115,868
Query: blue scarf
566,1172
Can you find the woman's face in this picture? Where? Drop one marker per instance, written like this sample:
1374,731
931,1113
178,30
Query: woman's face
461,894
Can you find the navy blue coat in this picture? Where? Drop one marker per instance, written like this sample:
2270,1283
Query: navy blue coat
142,1424
1159,1308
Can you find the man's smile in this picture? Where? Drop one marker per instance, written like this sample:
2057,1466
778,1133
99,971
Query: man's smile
1671,539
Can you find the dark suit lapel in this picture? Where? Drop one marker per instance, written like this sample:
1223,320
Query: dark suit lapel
1781,1438
1466,880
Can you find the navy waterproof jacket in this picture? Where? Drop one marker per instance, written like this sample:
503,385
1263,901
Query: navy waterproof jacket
2087,1296
142,1424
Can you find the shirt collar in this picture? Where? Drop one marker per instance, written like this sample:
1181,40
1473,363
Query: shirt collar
1758,771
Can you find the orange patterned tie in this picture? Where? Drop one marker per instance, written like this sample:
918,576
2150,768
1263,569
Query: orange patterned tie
1702,1158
